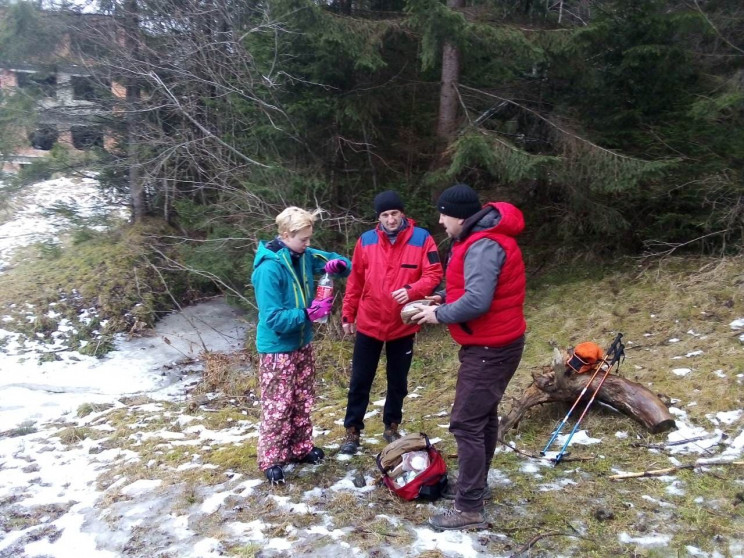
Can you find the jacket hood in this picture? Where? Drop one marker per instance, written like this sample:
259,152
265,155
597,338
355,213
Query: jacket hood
263,254
502,217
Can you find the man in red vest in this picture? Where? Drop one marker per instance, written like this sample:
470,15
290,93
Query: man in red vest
394,263
483,308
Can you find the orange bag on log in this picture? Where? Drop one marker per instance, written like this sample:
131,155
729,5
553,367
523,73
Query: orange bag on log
585,357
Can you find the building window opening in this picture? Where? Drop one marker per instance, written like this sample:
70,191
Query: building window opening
86,137
86,88
42,83
43,138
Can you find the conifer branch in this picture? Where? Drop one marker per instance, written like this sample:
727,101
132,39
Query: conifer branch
554,125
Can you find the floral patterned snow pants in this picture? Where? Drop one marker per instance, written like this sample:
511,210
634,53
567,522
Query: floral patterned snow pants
288,394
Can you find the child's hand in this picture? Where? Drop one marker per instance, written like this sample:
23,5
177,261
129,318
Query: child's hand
319,309
335,266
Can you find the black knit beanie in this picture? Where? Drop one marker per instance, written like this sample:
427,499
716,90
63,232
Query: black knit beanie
387,200
459,201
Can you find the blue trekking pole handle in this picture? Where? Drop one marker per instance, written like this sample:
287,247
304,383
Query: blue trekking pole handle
611,350
616,350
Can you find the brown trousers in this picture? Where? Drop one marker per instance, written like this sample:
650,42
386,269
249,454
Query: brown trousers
481,381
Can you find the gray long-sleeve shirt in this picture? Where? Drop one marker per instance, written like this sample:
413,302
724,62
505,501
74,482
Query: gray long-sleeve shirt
482,266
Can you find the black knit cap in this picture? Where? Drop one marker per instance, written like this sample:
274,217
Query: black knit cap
459,201
387,200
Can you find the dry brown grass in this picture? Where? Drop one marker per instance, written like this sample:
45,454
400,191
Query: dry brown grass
232,374
74,435
572,509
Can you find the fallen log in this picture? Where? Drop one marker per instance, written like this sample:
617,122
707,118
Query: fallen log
554,385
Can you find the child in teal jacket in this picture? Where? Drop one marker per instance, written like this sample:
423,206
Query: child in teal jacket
284,286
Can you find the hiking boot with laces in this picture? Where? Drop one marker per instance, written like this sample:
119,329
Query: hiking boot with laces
391,433
314,456
450,491
274,474
351,442
454,519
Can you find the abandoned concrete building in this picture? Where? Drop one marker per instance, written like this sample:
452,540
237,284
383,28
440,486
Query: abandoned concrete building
73,104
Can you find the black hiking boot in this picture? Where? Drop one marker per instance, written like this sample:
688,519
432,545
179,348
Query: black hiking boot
274,474
350,444
314,456
391,433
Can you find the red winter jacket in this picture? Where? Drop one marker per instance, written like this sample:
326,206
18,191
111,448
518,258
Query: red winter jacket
378,268
504,321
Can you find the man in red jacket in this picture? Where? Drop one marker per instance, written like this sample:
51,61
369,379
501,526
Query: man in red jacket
483,309
394,263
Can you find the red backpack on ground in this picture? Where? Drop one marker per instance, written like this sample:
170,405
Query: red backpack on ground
429,483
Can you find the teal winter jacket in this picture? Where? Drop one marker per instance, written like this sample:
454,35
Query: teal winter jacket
282,296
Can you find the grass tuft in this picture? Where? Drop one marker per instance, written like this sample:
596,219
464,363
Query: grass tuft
87,408
28,427
73,435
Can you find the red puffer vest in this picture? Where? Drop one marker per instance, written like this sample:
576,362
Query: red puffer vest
504,321
378,268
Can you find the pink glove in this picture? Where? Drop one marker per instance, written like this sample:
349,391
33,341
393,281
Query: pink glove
319,309
335,266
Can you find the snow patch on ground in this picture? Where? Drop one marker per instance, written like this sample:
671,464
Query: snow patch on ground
581,437
35,221
646,540
31,391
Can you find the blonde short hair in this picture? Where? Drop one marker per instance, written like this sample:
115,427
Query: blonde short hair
294,219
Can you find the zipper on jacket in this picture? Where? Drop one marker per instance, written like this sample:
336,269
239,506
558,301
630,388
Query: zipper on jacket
298,286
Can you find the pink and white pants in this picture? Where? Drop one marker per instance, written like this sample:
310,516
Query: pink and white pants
287,383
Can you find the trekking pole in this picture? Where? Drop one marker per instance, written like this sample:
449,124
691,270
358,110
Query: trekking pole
560,426
619,351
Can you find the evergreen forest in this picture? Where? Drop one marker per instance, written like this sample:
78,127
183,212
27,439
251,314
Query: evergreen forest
615,125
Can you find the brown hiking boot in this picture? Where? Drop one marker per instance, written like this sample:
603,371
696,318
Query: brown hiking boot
454,519
391,433
350,444
450,491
